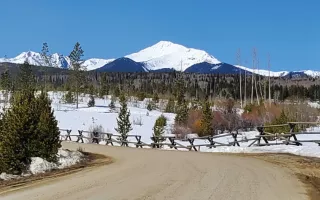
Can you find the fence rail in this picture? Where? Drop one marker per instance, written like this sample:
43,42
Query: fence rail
195,143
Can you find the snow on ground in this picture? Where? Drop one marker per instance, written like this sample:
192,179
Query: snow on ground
38,165
82,118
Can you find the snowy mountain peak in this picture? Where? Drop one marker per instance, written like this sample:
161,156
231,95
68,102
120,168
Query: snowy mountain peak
165,54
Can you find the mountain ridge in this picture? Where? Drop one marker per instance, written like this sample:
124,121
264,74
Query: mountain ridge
163,56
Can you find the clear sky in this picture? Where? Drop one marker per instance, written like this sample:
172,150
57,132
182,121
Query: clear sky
287,29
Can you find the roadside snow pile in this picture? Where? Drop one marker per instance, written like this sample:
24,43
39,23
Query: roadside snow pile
38,165
309,151
68,158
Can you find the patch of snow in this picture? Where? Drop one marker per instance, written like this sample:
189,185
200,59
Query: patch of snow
264,72
5,176
68,158
38,165
95,63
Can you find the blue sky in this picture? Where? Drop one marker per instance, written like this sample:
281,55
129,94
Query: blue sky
288,30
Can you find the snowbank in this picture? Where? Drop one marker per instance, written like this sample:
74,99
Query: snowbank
38,165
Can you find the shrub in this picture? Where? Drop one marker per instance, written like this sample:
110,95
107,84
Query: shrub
181,132
151,106
68,97
158,128
137,121
95,131
155,97
193,121
162,120
141,96
91,102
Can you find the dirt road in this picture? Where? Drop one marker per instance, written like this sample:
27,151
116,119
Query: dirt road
154,174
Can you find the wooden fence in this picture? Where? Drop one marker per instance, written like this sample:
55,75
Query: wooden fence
238,139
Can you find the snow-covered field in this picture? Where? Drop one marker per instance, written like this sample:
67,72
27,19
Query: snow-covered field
81,119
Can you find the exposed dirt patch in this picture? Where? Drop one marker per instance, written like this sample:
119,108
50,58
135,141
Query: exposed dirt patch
91,160
307,169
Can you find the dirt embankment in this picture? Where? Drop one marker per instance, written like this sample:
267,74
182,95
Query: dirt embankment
307,169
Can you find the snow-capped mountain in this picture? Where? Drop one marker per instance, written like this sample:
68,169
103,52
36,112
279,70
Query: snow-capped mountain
95,63
264,72
34,58
166,54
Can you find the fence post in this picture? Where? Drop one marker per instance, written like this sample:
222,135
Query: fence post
80,137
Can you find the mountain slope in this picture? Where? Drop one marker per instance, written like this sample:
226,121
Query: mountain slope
35,58
123,65
166,54
221,68
95,63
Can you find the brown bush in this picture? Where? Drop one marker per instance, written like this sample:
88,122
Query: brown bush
181,132
193,121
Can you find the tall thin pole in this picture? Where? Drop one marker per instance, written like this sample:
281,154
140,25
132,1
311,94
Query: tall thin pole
269,80
239,63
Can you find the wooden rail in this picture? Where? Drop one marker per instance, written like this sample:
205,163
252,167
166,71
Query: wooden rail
263,139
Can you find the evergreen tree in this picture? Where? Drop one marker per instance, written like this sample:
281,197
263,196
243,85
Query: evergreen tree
26,77
103,85
91,102
47,61
28,129
170,108
77,69
112,103
206,121
159,125
282,119
124,125
47,133
5,82
179,91
155,97
149,106
182,114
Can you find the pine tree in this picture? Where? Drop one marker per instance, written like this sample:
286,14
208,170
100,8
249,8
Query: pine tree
91,102
47,133
18,128
206,121
5,82
179,91
182,113
103,85
45,54
158,128
77,69
112,103
124,125
170,108
26,77
155,97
